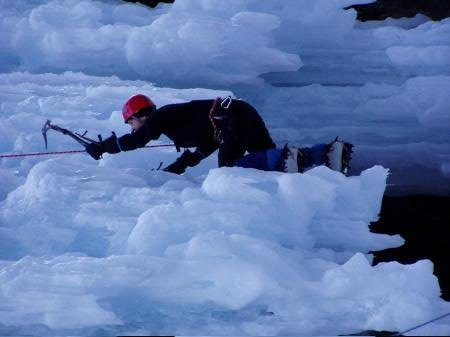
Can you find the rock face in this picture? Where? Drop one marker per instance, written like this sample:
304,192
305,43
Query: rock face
381,9
151,3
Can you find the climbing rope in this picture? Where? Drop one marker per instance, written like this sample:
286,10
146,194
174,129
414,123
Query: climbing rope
421,325
39,153
13,155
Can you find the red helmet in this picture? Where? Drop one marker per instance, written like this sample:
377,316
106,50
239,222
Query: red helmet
134,104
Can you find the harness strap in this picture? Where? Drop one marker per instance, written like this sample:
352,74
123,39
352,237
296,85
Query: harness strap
218,113
212,116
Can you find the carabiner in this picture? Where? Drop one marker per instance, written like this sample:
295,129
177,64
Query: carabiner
225,104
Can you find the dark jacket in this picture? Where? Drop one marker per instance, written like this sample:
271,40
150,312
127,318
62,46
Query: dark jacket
189,125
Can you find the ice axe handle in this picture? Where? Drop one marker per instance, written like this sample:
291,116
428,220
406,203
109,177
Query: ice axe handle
100,141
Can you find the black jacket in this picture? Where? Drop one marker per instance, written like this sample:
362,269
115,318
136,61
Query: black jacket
188,125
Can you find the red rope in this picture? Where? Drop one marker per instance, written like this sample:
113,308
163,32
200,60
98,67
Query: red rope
62,152
39,153
160,145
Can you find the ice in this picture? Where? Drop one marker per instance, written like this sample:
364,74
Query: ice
103,38
216,250
116,247
238,250
195,49
385,122
407,23
210,42
436,56
235,44
115,290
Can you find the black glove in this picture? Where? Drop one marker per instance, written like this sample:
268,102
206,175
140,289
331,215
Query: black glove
192,158
95,150
177,167
188,158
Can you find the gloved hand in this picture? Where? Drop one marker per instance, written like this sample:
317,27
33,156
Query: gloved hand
188,158
177,167
95,150
191,158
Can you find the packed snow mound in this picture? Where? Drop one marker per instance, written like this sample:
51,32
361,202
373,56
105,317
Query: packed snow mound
238,250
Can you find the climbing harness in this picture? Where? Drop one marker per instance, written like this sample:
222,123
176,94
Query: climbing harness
217,114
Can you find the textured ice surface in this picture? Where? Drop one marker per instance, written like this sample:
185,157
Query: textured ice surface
114,248
392,75
100,248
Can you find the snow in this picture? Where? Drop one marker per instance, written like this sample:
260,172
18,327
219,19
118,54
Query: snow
113,247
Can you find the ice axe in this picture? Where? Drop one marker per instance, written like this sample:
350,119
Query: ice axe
82,139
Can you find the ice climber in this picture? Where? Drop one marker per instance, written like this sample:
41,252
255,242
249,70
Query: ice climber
232,126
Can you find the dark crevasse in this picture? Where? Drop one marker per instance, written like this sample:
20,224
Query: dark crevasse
424,222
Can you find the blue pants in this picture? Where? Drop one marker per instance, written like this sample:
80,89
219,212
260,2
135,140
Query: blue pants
270,160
